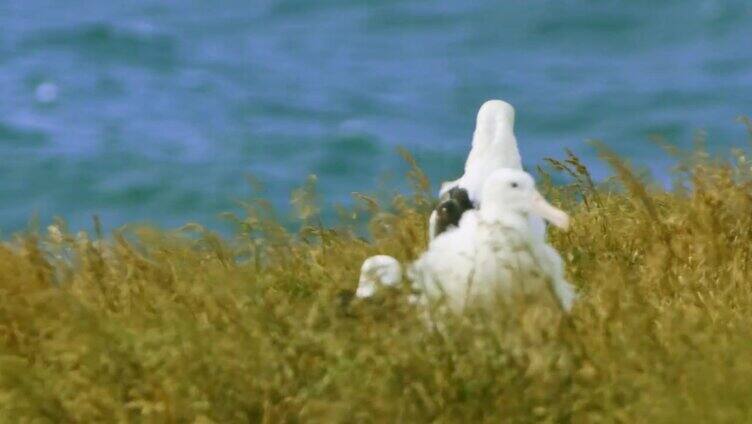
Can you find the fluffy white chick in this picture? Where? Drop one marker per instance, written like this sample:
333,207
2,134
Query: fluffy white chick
376,271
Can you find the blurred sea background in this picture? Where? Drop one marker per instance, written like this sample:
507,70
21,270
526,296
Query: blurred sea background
156,111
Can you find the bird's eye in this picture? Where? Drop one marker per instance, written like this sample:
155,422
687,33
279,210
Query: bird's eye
513,185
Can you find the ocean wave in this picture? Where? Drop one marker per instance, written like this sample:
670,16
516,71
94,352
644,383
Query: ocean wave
20,137
137,44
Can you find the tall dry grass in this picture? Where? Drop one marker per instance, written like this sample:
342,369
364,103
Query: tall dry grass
188,326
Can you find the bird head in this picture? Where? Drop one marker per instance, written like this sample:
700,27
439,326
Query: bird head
449,211
513,191
495,112
493,116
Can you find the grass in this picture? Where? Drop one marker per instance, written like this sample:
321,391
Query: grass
188,326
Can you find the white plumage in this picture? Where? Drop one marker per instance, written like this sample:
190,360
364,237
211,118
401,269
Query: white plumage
495,251
494,147
483,248
379,270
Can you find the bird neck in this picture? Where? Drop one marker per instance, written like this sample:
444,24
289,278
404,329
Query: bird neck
495,146
519,220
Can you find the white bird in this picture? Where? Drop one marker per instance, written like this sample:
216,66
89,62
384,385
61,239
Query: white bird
494,251
379,270
494,147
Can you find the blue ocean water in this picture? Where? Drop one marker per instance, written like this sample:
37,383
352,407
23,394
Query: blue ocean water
157,111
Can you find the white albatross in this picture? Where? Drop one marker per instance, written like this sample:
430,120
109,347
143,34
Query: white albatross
494,250
494,146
